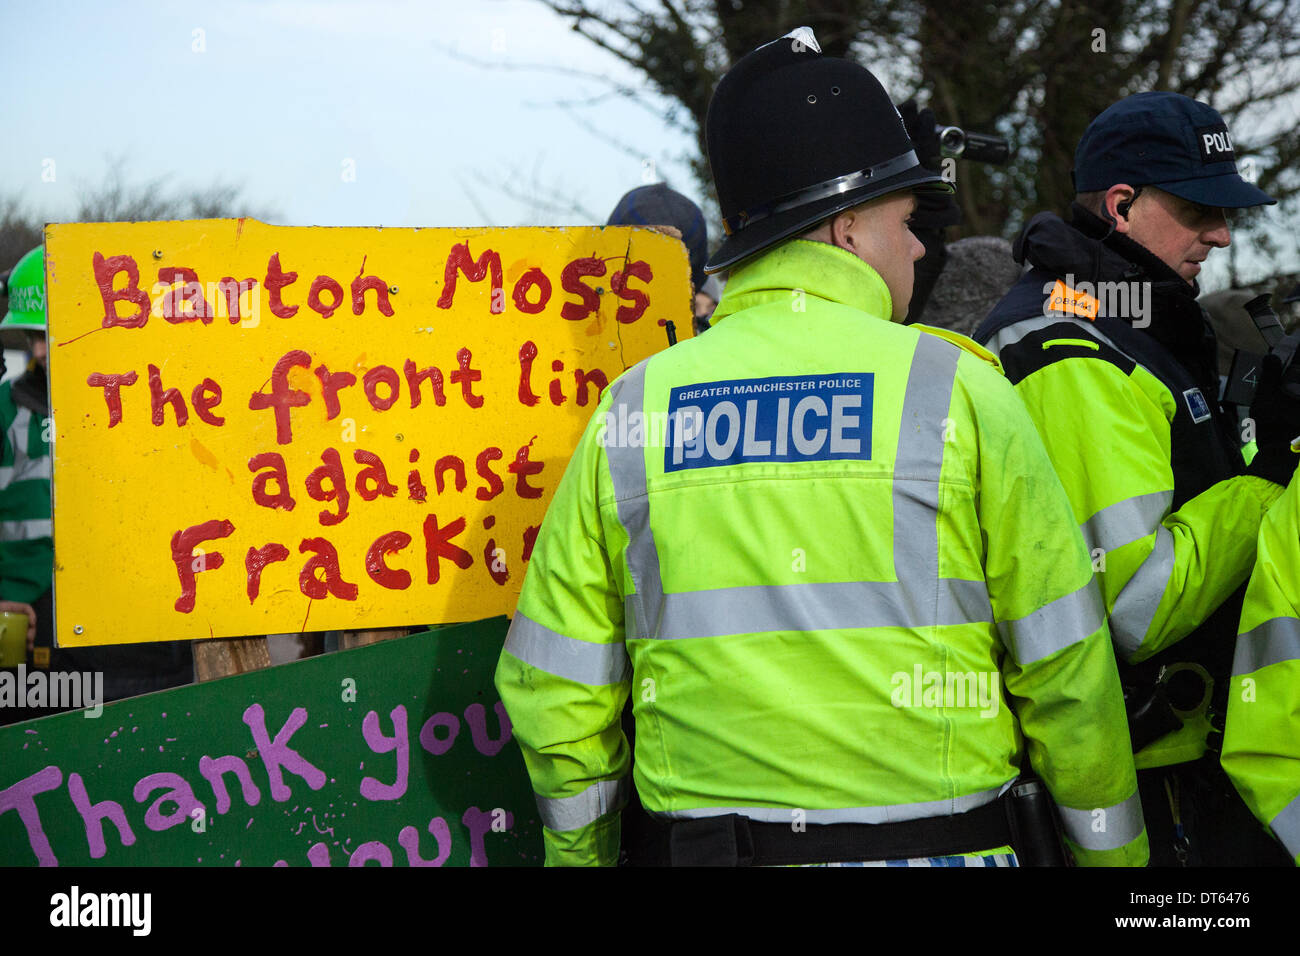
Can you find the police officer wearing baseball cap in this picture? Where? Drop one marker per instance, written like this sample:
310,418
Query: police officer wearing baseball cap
1116,362
837,514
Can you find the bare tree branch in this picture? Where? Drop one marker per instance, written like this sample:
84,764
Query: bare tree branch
1036,71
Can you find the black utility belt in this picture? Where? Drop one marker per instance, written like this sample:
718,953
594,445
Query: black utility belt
734,840
1024,818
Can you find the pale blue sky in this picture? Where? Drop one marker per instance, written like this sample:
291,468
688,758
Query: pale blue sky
284,92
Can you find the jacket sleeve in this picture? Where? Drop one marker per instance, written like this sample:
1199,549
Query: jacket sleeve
1059,667
1162,572
564,674
1261,743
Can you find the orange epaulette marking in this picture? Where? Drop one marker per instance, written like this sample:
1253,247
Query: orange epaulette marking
1066,301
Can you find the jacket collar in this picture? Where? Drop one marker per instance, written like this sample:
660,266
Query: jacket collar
818,269
1088,247
1090,250
1151,265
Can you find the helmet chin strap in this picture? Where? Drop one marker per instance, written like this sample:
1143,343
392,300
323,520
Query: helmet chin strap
823,190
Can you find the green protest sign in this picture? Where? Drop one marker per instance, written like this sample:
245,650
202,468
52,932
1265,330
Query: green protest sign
398,753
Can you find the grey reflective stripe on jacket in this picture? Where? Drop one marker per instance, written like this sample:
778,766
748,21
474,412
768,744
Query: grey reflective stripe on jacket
644,607
1055,626
1011,334
1118,525
1272,642
1121,523
918,464
585,808
918,598
1126,521
583,661
881,814
1286,827
831,605
1135,607
1104,828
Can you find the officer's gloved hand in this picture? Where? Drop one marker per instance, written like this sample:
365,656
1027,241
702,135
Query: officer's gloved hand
933,210
1277,421
923,129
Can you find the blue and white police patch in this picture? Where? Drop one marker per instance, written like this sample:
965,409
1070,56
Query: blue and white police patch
1197,405
791,418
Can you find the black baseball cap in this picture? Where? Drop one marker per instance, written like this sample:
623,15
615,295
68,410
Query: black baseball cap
795,137
657,205
1168,141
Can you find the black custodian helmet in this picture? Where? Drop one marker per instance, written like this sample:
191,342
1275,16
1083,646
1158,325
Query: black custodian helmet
795,137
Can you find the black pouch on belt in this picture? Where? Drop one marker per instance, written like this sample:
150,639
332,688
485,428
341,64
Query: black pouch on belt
1035,830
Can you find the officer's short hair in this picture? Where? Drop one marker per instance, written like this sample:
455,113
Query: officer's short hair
1094,201
829,219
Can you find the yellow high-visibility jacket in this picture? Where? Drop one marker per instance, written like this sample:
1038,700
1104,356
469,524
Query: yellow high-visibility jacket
1118,376
1261,742
829,559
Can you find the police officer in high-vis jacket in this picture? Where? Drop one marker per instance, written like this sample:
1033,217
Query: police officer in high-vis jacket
1261,742
1115,360
824,552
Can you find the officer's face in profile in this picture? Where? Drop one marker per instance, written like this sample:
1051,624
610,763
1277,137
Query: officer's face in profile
877,232
1179,232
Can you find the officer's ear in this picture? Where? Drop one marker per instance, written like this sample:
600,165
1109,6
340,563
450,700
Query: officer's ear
1115,206
842,229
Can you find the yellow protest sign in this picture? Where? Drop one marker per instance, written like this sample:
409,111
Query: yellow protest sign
263,429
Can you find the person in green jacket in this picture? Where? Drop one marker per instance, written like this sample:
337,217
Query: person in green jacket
26,541
1115,361
1261,742
825,553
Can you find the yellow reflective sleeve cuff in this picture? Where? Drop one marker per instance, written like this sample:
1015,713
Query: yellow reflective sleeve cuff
1136,853
1102,829
566,814
1164,575
1107,836
570,737
596,844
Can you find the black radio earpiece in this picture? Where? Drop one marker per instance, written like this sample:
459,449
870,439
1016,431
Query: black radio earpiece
1123,207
